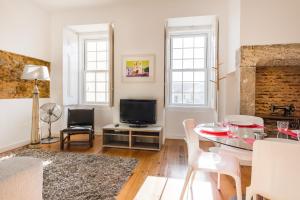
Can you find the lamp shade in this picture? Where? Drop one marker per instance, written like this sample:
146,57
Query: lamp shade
35,72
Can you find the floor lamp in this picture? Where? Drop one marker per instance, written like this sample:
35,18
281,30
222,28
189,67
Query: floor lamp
35,72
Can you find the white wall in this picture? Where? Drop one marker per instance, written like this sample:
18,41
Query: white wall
270,22
229,87
139,29
24,30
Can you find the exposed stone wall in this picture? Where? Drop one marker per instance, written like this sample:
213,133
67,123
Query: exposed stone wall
11,85
253,57
277,85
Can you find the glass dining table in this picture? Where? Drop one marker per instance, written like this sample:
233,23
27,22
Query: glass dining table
243,138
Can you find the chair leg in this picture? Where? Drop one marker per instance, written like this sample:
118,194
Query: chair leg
69,139
91,139
186,182
61,140
191,183
238,186
248,193
219,182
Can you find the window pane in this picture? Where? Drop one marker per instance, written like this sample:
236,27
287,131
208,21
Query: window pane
101,76
176,76
90,97
187,76
199,63
91,56
177,64
177,98
102,65
188,64
187,53
102,56
199,53
102,46
90,87
199,87
177,54
187,98
90,77
177,87
100,87
199,76
91,66
188,57
188,42
177,43
100,97
107,97
91,46
199,41
187,86
199,98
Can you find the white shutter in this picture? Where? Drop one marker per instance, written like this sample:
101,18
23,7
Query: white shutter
111,64
70,68
215,61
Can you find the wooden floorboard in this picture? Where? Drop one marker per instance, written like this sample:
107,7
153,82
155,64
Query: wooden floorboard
170,162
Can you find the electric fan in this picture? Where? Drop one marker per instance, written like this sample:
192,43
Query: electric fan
50,113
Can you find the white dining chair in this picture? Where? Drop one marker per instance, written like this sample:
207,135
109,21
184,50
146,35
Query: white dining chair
275,167
244,118
208,161
244,156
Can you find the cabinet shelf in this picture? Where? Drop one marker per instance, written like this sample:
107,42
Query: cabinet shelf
123,136
145,136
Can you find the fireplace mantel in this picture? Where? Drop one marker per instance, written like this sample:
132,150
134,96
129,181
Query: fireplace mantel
280,55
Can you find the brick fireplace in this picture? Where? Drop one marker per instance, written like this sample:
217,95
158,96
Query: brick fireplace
277,85
269,74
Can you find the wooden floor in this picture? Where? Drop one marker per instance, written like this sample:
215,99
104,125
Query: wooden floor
171,161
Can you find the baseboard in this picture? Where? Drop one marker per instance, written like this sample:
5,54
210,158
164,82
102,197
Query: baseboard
177,137
14,146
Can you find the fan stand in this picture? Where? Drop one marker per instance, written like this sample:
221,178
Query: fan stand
49,139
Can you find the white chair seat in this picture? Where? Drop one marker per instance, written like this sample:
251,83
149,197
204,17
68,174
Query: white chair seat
218,163
244,157
208,161
274,175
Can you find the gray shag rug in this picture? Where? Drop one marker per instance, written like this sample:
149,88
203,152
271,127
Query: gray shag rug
75,176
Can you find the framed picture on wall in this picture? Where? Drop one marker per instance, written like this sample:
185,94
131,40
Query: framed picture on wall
138,68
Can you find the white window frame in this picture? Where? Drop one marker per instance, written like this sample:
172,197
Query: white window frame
207,92
83,62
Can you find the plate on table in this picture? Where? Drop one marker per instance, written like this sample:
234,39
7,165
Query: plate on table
241,123
213,129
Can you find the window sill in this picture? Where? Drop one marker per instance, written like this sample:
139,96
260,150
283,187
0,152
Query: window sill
96,106
189,108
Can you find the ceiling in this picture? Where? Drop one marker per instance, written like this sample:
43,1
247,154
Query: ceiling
57,5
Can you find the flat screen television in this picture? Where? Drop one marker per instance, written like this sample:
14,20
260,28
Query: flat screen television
138,112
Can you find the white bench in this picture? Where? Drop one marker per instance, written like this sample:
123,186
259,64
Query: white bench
21,178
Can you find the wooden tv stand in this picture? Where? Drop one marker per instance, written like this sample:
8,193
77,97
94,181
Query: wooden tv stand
123,136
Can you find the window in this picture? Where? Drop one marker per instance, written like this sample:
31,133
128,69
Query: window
88,65
188,74
96,71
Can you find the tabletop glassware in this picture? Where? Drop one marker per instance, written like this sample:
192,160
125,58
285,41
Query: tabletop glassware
232,130
282,126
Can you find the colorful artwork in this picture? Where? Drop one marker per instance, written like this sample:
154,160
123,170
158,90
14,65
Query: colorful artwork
137,68
11,84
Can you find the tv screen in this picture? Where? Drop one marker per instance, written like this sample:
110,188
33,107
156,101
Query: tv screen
135,111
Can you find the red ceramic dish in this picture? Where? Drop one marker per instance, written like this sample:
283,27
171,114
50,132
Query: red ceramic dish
223,133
